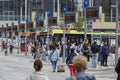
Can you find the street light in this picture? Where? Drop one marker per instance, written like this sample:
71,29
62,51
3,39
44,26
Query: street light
36,18
18,34
12,31
63,41
117,19
86,5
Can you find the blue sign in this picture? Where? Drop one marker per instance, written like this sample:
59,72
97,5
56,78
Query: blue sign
6,24
36,18
86,3
18,21
49,14
65,10
26,20
12,23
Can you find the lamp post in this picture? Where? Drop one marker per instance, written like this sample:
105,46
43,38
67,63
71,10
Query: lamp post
58,12
48,15
12,31
26,37
86,4
18,34
117,19
26,20
64,40
36,18
6,38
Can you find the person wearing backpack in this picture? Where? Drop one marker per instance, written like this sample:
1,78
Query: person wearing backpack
80,63
70,63
95,50
85,49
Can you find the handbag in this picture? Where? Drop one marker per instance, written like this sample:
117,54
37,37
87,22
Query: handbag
60,68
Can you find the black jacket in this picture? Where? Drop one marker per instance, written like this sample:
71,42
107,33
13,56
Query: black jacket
70,58
94,48
117,69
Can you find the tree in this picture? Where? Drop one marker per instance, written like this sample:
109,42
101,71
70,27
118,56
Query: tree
78,26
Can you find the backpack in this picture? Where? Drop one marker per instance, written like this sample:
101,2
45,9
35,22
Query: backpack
85,49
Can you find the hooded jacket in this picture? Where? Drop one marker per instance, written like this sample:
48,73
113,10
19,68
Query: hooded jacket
37,76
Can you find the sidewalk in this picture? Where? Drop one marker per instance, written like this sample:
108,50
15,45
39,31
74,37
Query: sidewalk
100,68
101,73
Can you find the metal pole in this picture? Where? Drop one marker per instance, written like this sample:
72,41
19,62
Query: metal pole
18,38
58,12
21,13
25,27
36,30
111,14
47,27
53,7
116,54
85,31
64,41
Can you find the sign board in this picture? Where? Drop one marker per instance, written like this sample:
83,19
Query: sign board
93,12
71,17
14,28
43,33
29,25
52,21
40,23
22,26
4,29
9,28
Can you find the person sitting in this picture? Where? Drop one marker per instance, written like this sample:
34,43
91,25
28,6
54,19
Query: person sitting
80,63
38,75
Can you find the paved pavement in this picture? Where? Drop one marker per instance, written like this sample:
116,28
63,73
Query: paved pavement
18,67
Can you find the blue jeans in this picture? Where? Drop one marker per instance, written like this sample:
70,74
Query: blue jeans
94,60
54,65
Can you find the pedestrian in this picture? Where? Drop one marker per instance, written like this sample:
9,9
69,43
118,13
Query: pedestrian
85,49
95,50
34,52
5,47
54,57
29,48
70,63
117,69
80,63
11,48
38,74
105,53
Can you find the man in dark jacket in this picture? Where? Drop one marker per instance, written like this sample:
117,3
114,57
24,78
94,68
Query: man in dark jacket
105,53
70,63
117,69
95,50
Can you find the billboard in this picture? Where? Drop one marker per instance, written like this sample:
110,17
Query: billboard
40,23
71,17
93,12
52,21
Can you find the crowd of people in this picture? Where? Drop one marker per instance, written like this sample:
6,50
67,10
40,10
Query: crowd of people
76,55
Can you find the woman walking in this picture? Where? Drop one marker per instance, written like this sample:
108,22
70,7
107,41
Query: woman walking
54,57
70,63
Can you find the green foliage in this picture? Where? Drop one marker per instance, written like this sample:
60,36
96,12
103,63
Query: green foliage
78,26
61,25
